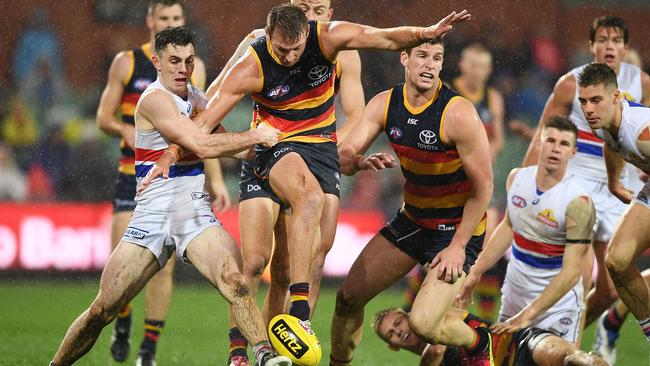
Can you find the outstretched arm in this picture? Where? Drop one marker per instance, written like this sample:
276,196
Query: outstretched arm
351,92
339,36
239,52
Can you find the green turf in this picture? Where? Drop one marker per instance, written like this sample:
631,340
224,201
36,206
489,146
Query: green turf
35,315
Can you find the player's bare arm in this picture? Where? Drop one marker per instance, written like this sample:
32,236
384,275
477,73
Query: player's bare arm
351,91
239,52
558,104
580,218
156,110
358,141
199,75
462,128
496,106
645,88
118,75
339,36
614,165
493,249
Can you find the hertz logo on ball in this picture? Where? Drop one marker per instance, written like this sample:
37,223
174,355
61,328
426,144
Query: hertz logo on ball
288,338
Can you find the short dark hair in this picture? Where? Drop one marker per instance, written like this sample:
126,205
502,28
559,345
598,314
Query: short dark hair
429,42
596,73
609,21
176,36
287,19
563,124
164,4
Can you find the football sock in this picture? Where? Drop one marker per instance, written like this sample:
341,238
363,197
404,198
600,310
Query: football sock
481,341
645,327
299,305
152,329
262,348
238,343
123,320
613,321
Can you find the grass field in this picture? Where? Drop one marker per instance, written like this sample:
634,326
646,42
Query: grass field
34,316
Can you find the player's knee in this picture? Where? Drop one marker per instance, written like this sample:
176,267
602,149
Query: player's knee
101,313
424,327
237,284
311,203
346,302
616,265
254,266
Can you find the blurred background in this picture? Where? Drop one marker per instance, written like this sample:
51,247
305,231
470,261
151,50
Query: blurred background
57,169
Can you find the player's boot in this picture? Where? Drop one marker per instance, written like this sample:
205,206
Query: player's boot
238,361
121,339
271,359
605,342
146,358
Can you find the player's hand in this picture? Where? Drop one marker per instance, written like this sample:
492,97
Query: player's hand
449,263
465,295
622,193
220,197
376,162
265,135
159,169
128,135
440,29
517,322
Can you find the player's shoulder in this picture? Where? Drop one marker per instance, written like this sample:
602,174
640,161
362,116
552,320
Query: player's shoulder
123,60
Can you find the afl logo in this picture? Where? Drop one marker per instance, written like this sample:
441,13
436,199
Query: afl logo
395,133
318,72
278,91
428,137
518,201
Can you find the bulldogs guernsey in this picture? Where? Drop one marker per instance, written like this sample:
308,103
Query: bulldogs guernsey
538,223
588,162
185,187
436,186
297,100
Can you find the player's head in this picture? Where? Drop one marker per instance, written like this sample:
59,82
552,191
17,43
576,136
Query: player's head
164,13
286,30
319,10
392,326
423,64
174,58
609,40
476,63
598,94
558,143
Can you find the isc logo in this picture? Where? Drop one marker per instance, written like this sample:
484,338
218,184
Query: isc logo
289,339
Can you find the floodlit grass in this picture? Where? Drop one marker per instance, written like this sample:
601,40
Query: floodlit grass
34,316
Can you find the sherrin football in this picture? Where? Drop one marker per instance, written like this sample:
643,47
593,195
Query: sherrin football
290,338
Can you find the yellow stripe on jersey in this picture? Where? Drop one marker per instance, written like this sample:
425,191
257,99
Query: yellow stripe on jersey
128,169
129,75
268,48
320,42
310,139
430,168
128,109
259,66
420,109
284,136
480,229
447,201
443,136
390,93
301,104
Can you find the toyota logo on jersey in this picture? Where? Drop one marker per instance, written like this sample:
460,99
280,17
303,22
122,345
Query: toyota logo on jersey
428,137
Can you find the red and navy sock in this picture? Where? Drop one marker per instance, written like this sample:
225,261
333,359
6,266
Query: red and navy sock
299,304
645,327
261,349
481,341
123,320
613,321
238,344
152,329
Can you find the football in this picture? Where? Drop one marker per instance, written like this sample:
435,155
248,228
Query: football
290,338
